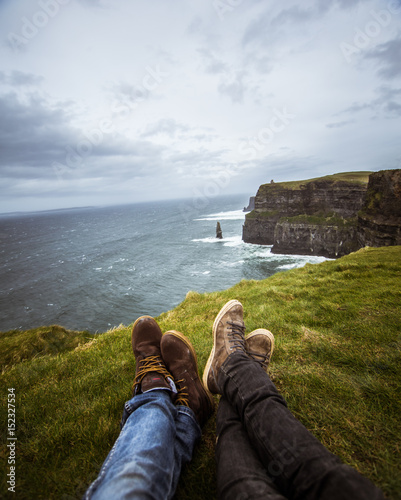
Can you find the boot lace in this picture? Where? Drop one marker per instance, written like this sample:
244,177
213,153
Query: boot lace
261,359
147,365
182,397
236,336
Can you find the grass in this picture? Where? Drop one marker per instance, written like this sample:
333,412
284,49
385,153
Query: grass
321,220
354,177
336,361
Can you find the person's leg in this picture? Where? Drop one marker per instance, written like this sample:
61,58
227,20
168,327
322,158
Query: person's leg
240,473
194,404
155,440
300,465
141,463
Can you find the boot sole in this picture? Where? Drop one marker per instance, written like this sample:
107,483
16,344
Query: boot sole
191,348
221,313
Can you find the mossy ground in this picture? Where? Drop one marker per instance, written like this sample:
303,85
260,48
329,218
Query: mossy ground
361,177
336,361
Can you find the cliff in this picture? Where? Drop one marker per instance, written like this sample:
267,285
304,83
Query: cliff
330,216
379,221
251,205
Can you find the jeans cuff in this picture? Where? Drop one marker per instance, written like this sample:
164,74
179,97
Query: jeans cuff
135,402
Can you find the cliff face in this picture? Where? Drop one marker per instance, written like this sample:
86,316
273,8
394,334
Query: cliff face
379,221
312,239
320,217
315,197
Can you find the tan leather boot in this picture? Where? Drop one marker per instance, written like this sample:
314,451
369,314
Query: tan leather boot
180,358
228,337
259,346
151,372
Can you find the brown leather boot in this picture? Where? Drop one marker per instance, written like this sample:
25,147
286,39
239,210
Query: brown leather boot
180,358
150,372
260,346
228,337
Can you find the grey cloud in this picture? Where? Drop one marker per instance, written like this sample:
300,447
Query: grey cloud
95,3
265,28
211,63
293,14
235,89
127,95
166,126
388,57
388,101
174,129
324,5
19,78
262,65
30,126
339,124
37,138
200,156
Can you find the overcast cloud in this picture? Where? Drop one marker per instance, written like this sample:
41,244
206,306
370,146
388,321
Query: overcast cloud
114,101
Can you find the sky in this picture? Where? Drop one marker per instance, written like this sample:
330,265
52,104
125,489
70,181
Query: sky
108,102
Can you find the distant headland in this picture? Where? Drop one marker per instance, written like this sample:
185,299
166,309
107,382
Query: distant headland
329,216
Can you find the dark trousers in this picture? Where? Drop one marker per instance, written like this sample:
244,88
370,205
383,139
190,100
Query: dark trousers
263,451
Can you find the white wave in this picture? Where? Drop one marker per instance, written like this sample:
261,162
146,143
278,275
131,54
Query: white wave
232,264
208,240
230,215
232,241
258,250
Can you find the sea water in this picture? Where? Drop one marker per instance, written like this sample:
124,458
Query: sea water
94,268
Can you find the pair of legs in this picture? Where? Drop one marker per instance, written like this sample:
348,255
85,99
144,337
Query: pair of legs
262,451
161,423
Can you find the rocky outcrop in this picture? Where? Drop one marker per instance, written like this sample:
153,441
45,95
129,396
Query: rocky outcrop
330,216
379,221
251,204
219,232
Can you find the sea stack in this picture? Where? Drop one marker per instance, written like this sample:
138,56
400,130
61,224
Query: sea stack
219,232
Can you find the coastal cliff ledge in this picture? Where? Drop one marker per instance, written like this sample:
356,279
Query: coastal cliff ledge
330,216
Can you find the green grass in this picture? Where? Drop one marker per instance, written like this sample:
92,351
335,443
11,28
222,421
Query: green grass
354,177
336,361
321,220
19,345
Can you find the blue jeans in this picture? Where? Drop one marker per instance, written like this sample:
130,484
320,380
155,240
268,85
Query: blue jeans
156,440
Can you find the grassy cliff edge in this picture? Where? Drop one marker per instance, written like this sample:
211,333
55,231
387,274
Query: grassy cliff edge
336,361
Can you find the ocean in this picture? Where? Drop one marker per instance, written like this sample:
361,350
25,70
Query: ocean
95,268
